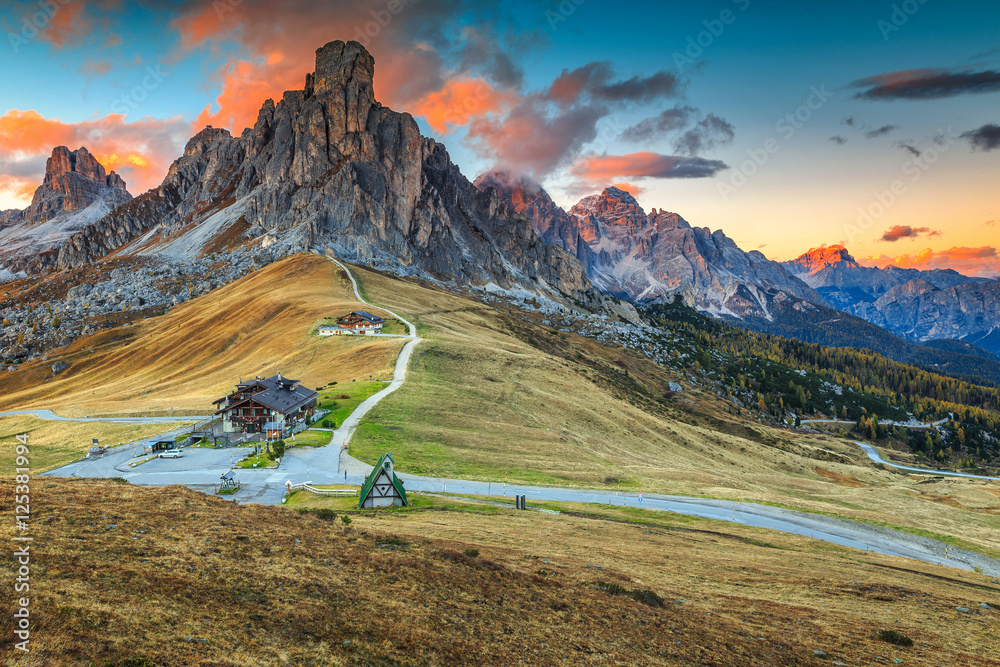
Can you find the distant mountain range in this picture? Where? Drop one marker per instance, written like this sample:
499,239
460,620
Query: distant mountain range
646,257
918,305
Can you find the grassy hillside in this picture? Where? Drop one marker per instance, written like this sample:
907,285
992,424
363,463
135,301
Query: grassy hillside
183,578
494,394
196,351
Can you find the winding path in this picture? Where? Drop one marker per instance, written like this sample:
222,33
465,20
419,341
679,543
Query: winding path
874,456
346,430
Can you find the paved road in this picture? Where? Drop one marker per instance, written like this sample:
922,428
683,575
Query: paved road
909,425
874,456
331,464
51,416
346,430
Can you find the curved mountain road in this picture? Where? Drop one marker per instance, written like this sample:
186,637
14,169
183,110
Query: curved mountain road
874,456
200,470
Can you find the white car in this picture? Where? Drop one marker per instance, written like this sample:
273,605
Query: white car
171,454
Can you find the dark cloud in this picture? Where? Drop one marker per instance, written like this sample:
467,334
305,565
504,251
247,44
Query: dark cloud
551,127
640,89
484,52
706,133
911,149
31,166
985,138
879,131
838,140
849,122
594,81
710,132
655,127
898,232
605,168
533,139
926,84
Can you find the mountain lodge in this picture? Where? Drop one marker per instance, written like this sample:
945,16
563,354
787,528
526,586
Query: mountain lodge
266,405
361,321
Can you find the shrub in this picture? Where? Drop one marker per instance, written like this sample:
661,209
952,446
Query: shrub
646,597
278,447
393,541
894,637
471,553
324,513
346,520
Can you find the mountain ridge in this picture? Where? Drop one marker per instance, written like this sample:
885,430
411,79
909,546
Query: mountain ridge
655,255
946,303
330,168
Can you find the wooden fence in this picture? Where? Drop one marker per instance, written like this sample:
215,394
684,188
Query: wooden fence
305,486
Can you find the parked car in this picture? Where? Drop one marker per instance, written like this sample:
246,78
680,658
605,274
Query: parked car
171,454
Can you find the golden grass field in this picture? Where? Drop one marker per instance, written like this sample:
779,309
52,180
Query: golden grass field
167,576
194,353
492,394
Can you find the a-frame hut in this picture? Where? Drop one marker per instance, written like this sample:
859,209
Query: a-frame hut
382,488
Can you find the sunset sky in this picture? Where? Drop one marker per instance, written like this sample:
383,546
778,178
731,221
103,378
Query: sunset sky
789,125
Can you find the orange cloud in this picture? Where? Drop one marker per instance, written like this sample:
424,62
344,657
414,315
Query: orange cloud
602,168
245,86
30,132
279,41
16,191
69,25
139,151
459,102
983,261
631,188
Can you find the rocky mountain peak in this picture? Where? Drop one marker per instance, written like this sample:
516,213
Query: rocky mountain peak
817,259
518,191
328,168
73,181
663,220
618,213
344,74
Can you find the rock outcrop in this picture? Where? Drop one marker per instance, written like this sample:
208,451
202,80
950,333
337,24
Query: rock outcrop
921,310
550,222
75,192
328,167
73,181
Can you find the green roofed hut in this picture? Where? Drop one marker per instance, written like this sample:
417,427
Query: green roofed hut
382,488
